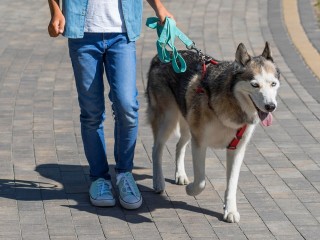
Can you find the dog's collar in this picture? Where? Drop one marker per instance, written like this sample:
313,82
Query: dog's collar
235,141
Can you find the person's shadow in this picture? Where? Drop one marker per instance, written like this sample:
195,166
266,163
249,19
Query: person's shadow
70,183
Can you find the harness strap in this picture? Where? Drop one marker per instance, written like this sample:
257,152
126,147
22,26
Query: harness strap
166,37
235,141
200,89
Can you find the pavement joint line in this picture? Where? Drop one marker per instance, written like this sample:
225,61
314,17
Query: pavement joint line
299,37
279,185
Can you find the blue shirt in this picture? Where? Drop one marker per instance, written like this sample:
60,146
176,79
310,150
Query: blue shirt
75,11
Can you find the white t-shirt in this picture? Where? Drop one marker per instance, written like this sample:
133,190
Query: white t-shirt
104,16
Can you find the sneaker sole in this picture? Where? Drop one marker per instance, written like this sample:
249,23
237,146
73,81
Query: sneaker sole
103,203
130,206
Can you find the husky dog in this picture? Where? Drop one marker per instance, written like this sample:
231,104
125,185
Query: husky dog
234,94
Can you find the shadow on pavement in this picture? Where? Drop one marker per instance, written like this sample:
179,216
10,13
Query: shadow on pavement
69,183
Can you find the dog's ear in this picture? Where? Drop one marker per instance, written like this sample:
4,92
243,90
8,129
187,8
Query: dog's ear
267,54
242,55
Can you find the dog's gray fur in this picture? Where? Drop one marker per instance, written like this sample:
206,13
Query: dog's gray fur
236,93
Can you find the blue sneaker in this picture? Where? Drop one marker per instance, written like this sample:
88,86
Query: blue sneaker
101,194
129,194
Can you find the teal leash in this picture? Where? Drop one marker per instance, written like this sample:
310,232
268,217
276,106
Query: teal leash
166,37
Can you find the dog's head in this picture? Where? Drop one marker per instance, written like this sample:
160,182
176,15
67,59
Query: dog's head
257,83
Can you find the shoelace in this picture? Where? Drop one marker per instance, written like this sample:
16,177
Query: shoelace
127,185
103,187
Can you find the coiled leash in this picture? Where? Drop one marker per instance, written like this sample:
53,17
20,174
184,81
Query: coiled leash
166,37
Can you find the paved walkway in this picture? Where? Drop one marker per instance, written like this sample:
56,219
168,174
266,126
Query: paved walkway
44,174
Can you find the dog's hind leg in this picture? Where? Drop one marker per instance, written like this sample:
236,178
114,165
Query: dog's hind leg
181,176
198,159
162,127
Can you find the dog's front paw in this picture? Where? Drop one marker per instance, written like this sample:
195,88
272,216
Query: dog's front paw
231,217
193,189
181,179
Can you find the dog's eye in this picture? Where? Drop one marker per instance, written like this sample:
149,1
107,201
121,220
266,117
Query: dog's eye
273,84
254,84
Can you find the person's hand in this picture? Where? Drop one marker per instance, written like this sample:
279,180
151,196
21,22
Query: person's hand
56,25
162,13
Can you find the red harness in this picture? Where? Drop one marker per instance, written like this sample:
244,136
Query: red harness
235,141
204,70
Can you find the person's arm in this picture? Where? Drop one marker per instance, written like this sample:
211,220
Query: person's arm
160,10
57,22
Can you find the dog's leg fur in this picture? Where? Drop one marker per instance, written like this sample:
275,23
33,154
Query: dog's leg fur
181,176
234,162
163,126
198,160
158,179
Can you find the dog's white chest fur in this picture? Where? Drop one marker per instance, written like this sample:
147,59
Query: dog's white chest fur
217,135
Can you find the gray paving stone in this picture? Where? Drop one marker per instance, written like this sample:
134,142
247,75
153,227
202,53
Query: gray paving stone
173,236
197,230
282,228
169,225
117,232
88,237
303,219
229,232
44,174
309,232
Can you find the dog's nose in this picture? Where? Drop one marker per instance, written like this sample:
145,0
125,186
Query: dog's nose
270,107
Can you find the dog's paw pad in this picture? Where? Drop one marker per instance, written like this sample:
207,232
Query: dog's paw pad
231,217
182,179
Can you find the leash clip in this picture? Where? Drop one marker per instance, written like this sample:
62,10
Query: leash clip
192,46
199,52
203,58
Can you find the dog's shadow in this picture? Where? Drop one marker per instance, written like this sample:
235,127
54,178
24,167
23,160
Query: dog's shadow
69,184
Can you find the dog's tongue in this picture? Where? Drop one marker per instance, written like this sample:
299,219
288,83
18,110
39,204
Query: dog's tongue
266,118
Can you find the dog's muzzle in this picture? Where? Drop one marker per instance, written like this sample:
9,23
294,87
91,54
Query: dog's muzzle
265,116
270,107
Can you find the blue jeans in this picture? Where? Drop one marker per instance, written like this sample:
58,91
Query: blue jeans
116,55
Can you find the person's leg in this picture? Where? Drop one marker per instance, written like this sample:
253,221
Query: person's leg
120,64
87,60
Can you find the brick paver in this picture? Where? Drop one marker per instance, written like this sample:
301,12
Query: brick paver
44,174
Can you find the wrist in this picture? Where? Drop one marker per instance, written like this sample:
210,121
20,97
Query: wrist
158,6
54,8
155,4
